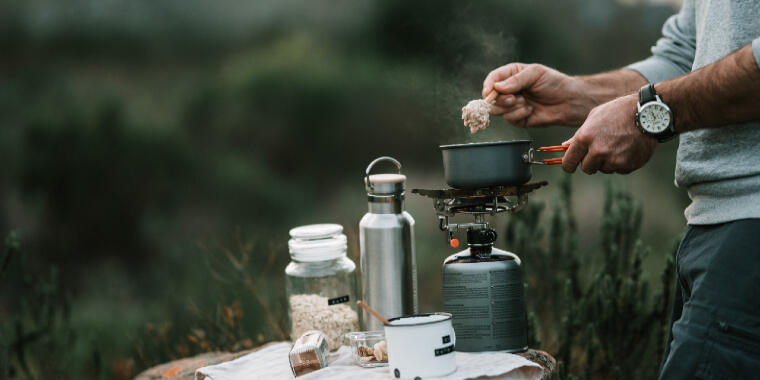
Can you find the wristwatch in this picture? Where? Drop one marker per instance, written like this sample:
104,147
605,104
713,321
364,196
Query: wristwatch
654,117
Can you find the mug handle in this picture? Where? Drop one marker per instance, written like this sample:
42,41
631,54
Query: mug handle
453,338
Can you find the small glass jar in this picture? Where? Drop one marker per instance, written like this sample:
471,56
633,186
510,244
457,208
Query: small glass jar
320,283
369,348
309,353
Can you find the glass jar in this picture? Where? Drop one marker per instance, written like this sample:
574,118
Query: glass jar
320,283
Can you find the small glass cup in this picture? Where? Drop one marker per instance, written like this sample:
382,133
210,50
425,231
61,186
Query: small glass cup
363,347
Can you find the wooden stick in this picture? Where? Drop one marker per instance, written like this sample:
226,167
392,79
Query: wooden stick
373,312
491,97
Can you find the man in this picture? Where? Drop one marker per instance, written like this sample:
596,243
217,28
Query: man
705,72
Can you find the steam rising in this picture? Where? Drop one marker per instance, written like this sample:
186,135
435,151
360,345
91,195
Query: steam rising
483,50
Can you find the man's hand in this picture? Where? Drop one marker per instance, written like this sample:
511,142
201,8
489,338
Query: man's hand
609,140
535,95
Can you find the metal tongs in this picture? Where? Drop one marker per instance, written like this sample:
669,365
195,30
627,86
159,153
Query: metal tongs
546,161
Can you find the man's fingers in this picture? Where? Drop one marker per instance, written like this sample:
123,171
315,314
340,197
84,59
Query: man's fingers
591,163
541,117
618,165
496,110
505,101
497,75
517,117
503,107
520,81
573,156
607,168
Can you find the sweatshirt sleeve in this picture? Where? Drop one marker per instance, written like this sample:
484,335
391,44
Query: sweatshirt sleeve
673,55
756,50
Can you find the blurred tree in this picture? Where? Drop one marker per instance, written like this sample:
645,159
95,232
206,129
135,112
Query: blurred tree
94,179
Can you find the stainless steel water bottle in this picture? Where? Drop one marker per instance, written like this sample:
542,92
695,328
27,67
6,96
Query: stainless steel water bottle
386,239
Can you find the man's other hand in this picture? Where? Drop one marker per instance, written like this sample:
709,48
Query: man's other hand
532,95
609,141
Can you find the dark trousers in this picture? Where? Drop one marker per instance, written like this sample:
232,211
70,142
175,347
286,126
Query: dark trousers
715,328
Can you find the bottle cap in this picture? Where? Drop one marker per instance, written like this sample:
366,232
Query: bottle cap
387,183
390,184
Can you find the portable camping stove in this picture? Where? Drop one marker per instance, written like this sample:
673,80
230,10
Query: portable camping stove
476,202
482,285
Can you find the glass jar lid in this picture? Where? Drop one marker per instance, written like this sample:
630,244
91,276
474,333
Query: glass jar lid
317,242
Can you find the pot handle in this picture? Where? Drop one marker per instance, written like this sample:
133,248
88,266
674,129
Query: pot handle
367,185
528,157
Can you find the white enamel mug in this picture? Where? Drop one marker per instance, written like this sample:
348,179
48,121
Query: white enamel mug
421,346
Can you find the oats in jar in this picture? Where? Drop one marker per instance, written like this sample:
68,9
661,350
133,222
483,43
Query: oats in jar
313,312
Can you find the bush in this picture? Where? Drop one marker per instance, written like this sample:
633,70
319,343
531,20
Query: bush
599,317
37,337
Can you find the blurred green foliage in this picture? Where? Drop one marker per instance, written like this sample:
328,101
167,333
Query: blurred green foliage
145,143
605,322
40,328
591,306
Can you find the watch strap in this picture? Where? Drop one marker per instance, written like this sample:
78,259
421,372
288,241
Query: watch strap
647,94
667,134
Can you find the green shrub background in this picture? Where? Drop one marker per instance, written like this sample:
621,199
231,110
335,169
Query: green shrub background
155,153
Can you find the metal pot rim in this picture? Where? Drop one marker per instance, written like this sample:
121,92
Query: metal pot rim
473,145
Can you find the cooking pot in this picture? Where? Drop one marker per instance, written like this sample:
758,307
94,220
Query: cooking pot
488,164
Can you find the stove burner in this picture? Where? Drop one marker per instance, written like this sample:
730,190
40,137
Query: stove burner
491,200
482,192
479,203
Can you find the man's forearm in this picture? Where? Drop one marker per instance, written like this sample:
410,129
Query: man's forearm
725,92
601,88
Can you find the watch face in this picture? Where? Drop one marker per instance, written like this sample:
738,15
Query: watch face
654,118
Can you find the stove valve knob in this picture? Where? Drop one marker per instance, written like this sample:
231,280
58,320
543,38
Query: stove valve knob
454,243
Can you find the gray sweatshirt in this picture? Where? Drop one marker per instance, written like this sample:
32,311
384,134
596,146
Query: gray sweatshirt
719,167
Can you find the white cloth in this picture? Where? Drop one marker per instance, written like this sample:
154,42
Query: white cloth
272,363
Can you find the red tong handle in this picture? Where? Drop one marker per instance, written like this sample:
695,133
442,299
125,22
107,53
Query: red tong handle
552,161
555,148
